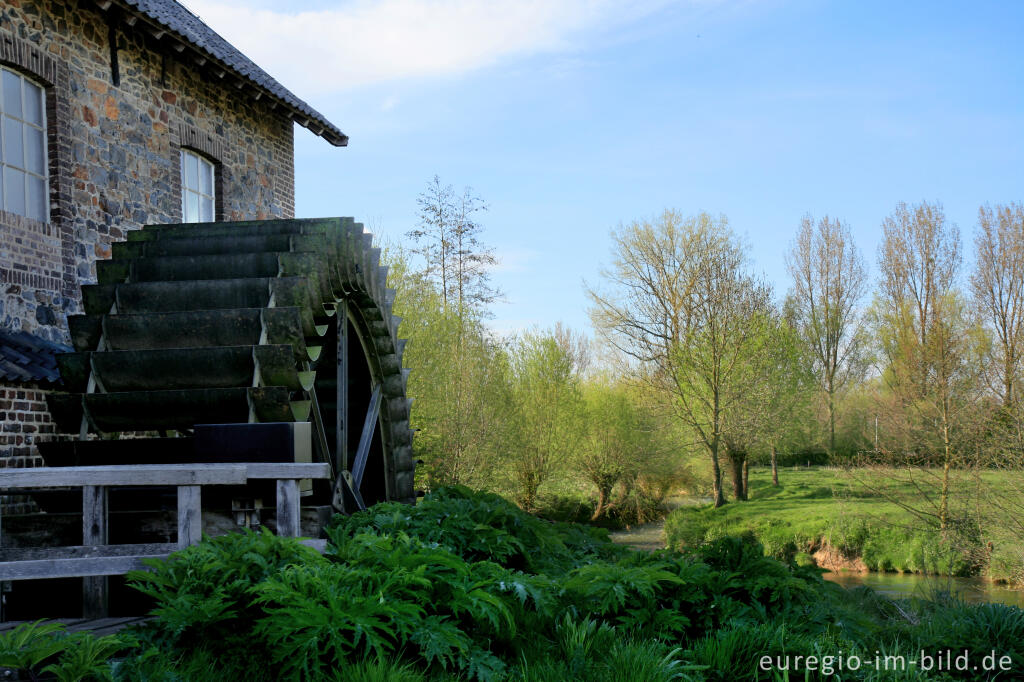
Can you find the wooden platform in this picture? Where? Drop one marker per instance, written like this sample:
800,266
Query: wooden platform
95,626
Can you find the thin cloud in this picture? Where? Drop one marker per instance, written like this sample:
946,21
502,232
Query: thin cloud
366,41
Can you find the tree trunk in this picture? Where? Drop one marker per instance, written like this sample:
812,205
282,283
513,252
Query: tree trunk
716,477
746,480
831,423
946,465
775,467
602,502
736,459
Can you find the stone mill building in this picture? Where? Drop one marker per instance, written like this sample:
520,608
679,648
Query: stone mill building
113,115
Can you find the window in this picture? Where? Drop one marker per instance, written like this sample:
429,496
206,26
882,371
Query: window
23,146
197,198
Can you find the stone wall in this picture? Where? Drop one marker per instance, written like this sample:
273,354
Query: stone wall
114,150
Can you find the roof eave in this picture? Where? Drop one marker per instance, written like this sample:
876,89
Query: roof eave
318,125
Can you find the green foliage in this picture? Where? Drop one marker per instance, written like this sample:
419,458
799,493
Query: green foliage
85,658
28,645
455,588
72,656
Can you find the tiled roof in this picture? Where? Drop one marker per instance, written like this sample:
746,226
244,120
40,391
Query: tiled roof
24,357
191,29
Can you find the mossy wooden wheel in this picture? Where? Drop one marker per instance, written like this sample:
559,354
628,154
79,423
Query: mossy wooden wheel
240,323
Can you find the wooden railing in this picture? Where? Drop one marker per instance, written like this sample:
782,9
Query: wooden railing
95,559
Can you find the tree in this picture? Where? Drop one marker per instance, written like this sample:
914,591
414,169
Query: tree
548,427
448,239
460,386
925,332
680,304
998,287
829,281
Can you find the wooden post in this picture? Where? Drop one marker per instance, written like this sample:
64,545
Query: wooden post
288,508
190,515
94,532
341,444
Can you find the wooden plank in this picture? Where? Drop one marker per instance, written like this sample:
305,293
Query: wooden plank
72,568
67,622
133,474
85,551
98,627
94,532
288,508
286,470
366,437
190,515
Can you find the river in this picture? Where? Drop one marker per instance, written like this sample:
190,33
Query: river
902,585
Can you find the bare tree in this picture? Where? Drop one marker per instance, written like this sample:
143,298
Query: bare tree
998,288
680,304
472,260
433,234
448,240
829,281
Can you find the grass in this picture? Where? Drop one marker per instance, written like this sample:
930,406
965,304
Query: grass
854,513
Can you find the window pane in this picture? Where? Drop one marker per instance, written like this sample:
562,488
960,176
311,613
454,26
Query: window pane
37,198
33,103
12,93
14,190
206,178
192,208
205,210
14,152
34,150
191,171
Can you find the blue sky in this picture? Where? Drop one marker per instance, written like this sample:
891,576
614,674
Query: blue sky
572,116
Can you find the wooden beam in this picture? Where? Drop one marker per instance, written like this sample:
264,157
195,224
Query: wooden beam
288,470
366,438
341,446
73,568
135,474
288,508
131,20
85,551
190,515
94,532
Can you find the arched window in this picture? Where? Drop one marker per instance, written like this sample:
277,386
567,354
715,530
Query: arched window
197,188
23,146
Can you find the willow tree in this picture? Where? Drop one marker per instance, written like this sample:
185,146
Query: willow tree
547,416
829,281
679,302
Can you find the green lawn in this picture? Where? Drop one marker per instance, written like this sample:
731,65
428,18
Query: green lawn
856,513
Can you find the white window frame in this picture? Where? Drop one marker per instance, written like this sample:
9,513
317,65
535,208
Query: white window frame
24,82
199,192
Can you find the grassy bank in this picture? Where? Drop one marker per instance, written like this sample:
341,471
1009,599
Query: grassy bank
851,515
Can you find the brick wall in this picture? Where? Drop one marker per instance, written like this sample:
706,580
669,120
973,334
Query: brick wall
114,150
23,418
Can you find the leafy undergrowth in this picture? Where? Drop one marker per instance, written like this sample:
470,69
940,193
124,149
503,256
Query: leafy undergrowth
465,586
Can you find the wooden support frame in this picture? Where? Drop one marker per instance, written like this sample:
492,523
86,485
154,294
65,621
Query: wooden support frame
366,437
94,560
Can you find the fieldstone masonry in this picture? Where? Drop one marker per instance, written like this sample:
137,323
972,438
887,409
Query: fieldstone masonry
114,150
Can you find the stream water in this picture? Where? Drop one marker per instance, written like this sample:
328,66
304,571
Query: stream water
902,585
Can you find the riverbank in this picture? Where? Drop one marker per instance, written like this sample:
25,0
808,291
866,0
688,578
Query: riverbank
841,520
